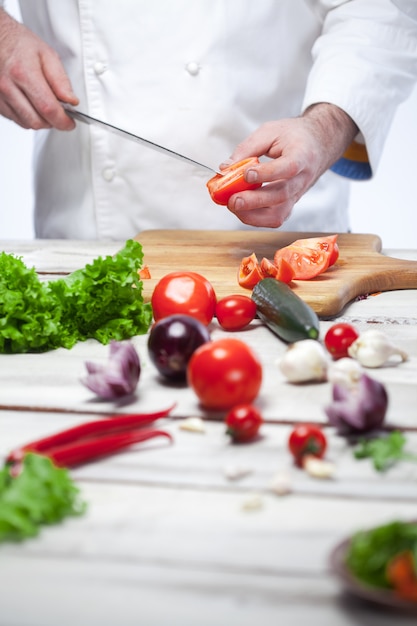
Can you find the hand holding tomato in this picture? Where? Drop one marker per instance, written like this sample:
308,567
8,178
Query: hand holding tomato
300,150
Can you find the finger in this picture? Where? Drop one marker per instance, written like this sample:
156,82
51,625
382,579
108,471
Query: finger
269,217
283,168
258,143
46,86
57,79
15,106
268,206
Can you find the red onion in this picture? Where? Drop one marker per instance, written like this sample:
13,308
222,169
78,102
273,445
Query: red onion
358,409
119,376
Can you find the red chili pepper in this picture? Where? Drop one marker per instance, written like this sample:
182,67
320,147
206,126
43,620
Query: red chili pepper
90,432
90,449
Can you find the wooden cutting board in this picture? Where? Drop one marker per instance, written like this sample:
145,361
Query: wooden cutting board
361,268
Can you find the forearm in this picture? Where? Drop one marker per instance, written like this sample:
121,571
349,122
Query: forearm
333,128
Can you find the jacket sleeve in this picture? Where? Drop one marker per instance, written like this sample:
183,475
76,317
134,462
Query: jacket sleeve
365,62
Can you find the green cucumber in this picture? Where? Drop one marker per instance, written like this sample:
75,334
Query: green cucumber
283,312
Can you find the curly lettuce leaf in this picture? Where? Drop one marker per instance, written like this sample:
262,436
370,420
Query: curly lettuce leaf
102,301
41,494
29,320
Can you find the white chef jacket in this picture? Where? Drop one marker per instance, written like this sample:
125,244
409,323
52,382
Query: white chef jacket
198,76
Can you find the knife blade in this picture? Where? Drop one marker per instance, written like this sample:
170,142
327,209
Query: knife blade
88,119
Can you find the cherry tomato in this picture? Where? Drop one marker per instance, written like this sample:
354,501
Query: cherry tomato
249,273
235,312
243,422
224,373
232,180
186,293
307,440
338,339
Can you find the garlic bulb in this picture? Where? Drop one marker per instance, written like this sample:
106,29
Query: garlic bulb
305,361
373,349
345,371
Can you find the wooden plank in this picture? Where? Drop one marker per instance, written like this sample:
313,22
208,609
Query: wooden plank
361,268
52,381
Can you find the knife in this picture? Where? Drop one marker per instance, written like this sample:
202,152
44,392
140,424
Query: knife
88,119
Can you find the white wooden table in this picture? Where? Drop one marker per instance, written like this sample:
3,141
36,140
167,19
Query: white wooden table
167,539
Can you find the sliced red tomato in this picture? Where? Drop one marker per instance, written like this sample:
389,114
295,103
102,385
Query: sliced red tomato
306,262
144,273
309,257
249,273
281,271
232,180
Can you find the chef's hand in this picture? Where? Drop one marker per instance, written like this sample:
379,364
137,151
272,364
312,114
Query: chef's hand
301,149
32,79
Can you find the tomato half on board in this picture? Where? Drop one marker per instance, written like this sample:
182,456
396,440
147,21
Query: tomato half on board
327,244
232,180
186,293
309,257
249,273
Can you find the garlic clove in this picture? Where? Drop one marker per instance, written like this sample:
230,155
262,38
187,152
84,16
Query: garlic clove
345,371
318,468
305,361
373,349
193,425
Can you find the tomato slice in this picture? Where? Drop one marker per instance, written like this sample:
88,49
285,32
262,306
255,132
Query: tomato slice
327,244
309,257
249,273
306,262
222,186
280,271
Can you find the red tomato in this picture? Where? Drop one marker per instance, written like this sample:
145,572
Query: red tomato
232,180
307,440
338,339
243,422
309,257
235,312
306,262
249,273
185,293
224,373
327,244
281,271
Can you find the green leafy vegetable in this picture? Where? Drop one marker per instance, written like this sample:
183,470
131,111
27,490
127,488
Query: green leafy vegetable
40,494
384,451
102,301
370,551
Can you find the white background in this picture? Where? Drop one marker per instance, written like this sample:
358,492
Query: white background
386,205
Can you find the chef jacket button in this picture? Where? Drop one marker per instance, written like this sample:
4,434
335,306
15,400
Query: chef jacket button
99,68
108,174
192,68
